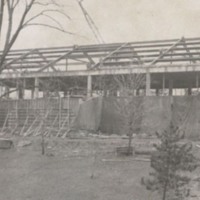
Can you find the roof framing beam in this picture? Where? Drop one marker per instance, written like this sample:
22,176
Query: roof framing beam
45,59
105,71
18,58
110,54
187,50
55,61
165,52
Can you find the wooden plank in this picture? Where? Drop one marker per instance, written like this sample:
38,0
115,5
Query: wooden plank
89,57
121,54
108,55
187,50
98,53
18,58
68,48
45,59
55,61
165,52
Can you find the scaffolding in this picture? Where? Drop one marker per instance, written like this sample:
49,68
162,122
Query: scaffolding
51,117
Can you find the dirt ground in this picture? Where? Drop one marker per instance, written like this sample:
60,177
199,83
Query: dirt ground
72,169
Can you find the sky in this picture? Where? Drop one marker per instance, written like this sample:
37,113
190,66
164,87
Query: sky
119,21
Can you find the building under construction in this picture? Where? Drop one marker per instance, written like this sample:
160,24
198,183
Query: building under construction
167,64
170,68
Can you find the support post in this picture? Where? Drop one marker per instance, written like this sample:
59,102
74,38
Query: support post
137,92
163,85
36,90
17,117
89,86
66,67
60,110
197,82
1,90
24,88
7,91
157,91
32,93
68,113
20,88
189,91
170,87
148,83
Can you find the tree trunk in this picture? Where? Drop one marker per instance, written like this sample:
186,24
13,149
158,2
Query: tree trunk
43,143
2,3
164,191
130,137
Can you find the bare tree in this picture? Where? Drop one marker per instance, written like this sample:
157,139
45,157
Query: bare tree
128,105
45,16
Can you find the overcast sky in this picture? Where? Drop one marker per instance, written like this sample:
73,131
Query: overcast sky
120,21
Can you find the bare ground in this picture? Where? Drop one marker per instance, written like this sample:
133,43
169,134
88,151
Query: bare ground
72,169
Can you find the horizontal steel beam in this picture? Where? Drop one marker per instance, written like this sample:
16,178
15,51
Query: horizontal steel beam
105,71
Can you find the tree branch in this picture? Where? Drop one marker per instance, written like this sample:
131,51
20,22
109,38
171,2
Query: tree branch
42,13
46,3
49,26
2,6
45,10
10,40
15,4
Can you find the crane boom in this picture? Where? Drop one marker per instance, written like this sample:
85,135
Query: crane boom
91,23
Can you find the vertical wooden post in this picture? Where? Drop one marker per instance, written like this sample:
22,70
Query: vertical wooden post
18,88
163,85
68,113
17,109
189,90
32,93
157,91
89,86
66,65
60,109
36,89
172,108
23,88
1,89
137,92
7,92
148,83
197,82
170,87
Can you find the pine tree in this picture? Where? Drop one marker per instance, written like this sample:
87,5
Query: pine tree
172,163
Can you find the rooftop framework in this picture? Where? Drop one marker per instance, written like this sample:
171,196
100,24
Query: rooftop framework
165,63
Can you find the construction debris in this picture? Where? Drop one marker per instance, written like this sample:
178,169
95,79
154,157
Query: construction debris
6,144
24,143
